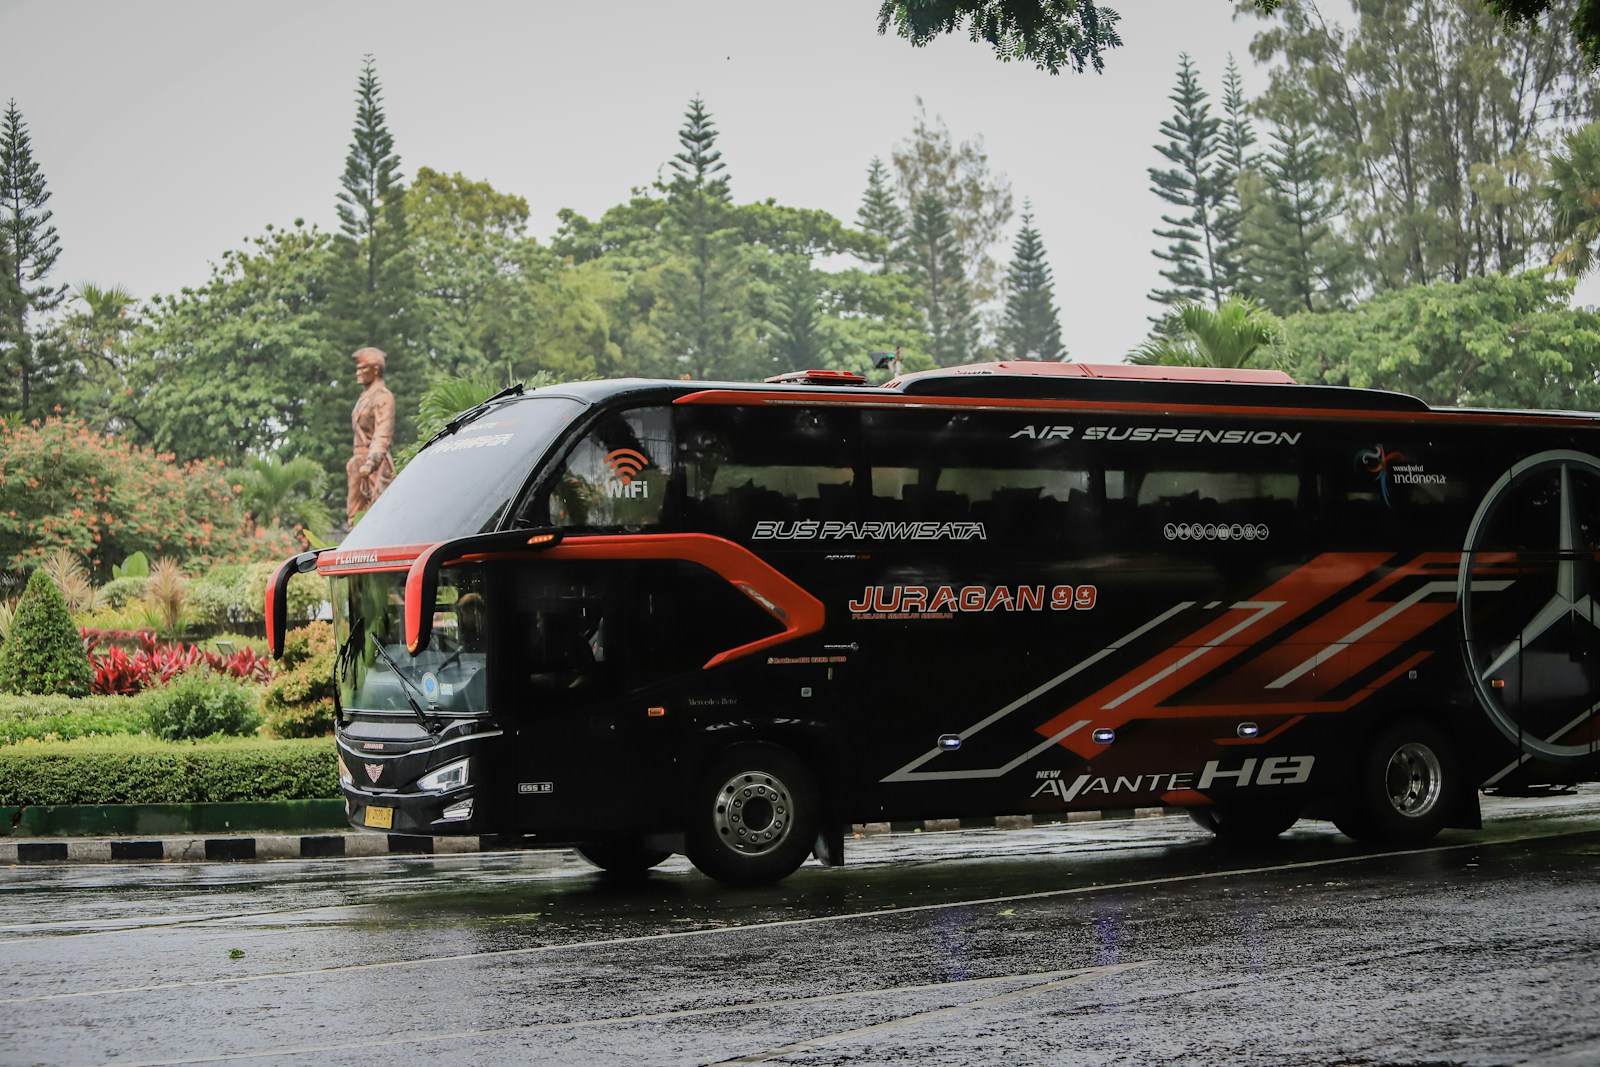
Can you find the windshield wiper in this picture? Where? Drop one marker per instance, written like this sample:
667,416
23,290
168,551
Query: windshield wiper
473,412
408,687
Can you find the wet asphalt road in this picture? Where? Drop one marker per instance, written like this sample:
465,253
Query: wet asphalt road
1130,943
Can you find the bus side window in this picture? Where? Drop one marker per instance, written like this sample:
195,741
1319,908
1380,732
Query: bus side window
746,466
1023,490
619,476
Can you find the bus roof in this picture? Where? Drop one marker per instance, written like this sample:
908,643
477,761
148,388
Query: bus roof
1091,383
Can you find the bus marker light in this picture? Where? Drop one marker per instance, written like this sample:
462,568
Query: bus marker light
1104,735
655,713
541,539
950,742
1498,683
1248,729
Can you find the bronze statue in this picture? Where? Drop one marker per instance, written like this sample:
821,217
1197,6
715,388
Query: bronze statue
371,468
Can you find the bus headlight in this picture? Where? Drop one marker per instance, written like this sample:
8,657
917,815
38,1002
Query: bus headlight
345,778
450,776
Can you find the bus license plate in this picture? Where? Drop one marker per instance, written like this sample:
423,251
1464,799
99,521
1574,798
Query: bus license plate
382,818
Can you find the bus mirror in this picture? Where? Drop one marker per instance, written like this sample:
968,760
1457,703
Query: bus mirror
277,607
422,582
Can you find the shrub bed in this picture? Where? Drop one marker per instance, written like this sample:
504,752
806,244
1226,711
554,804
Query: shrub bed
50,718
140,770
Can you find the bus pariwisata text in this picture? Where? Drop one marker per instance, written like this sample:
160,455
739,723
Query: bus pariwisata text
645,617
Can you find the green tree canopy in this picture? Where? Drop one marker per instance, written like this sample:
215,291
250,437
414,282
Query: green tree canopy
1435,120
249,363
1057,34
1496,341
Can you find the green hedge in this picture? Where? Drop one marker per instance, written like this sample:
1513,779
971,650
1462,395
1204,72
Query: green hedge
41,718
142,770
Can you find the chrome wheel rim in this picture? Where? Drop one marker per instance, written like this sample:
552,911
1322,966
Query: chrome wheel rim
752,814
1413,780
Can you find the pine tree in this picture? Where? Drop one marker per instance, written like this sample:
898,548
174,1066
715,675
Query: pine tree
371,245
1295,260
1031,328
797,343
29,248
1235,164
933,260
880,215
1191,187
707,315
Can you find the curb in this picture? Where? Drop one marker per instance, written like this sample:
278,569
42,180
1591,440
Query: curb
248,847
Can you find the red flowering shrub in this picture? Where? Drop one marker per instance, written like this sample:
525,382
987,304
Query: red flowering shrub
100,497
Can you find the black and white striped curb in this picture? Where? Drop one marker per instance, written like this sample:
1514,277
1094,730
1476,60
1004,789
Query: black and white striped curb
196,849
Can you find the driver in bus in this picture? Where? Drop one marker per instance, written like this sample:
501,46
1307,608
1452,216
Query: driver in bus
470,622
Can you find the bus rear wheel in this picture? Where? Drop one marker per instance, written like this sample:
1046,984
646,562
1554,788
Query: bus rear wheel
1239,823
624,858
1405,785
753,816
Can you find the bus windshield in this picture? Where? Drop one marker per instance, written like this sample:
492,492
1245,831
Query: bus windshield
464,483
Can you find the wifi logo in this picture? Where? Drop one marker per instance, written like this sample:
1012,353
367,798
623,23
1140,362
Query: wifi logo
626,463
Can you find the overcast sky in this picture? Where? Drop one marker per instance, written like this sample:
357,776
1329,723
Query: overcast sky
171,131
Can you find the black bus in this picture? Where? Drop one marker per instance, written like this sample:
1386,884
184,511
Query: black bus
730,620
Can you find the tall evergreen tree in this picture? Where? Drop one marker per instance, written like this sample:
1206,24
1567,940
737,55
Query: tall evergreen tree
1294,259
1031,328
1236,162
29,247
933,259
375,283
797,342
706,314
1190,186
880,216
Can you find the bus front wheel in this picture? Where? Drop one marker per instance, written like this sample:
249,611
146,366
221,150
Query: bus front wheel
623,858
1405,784
753,815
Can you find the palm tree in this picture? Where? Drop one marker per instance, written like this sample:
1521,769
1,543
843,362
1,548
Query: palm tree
1574,195
287,494
1237,333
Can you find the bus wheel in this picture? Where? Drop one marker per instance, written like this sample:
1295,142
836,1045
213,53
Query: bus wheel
1405,784
621,857
1244,823
753,815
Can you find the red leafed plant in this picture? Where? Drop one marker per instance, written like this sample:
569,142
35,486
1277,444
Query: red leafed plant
116,671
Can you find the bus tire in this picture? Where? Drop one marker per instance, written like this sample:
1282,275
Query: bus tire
1240,823
1405,786
621,857
753,816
